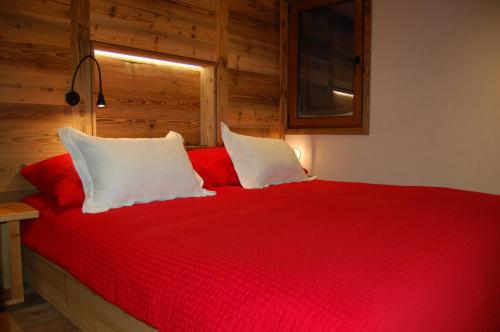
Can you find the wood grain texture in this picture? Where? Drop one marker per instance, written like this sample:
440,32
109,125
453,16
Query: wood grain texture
34,45
85,309
83,116
254,36
35,68
149,100
97,45
253,101
253,73
17,211
34,315
221,65
12,274
12,278
4,242
208,113
28,133
185,27
237,36
283,65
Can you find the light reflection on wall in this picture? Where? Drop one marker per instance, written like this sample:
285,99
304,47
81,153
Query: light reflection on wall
303,143
141,59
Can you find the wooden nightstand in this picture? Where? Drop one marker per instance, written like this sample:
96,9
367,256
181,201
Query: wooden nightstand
10,216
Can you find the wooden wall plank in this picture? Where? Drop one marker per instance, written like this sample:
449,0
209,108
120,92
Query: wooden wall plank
253,55
55,10
28,133
83,117
263,10
35,68
28,27
149,54
253,68
283,65
185,27
208,113
32,48
240,37
253,101
221,66
254,36
149,100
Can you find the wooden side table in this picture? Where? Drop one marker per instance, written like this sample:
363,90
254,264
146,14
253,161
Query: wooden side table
10,216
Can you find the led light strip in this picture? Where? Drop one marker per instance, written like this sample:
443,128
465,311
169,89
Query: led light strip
134,58
340,93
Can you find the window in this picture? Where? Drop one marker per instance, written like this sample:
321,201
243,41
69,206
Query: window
328,66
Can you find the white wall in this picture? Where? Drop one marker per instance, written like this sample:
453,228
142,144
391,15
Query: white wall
435,100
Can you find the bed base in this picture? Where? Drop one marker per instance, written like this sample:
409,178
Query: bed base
80,305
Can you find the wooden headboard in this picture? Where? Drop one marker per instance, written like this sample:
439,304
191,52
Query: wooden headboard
150,93
235,42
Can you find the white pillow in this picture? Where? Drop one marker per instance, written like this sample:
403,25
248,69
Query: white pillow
119,172
260,162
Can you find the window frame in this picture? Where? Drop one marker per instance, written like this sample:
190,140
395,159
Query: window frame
358,123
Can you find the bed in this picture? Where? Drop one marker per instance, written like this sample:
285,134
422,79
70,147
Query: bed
308,256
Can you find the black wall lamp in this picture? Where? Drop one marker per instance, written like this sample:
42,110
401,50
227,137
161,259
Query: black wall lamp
73,98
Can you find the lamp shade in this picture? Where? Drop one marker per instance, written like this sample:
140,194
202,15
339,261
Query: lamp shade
101,102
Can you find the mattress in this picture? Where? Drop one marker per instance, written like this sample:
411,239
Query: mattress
310,256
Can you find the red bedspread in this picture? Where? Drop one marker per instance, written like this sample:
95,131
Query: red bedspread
312,256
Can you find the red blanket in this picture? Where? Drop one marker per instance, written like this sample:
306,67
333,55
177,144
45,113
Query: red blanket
311,256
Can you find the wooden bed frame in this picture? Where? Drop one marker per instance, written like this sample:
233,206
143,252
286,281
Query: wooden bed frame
79,304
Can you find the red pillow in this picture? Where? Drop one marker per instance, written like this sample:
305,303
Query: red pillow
215,167
57,178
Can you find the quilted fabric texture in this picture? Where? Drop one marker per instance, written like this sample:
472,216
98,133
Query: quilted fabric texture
308,256
57,178
215,167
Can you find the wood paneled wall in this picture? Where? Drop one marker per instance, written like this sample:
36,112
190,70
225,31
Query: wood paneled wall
148,100
253,68
187,27
241,37
37,42
35,64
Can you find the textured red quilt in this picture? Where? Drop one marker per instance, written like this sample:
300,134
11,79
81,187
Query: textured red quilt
312,256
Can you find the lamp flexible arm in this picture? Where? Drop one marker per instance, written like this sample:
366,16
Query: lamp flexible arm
73,98
88,56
